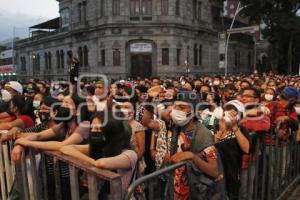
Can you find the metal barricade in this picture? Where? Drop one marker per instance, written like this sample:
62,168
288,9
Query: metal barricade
34,178
6,169
273,168
151,182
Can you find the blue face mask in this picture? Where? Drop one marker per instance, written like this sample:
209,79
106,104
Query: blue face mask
36,104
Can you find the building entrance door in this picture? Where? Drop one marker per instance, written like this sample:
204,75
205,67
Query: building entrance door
141,65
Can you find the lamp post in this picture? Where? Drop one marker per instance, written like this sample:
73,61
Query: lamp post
238,10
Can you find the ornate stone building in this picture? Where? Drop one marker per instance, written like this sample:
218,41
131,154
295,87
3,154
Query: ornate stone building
131,38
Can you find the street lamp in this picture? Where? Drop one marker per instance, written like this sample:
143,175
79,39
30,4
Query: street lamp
238,10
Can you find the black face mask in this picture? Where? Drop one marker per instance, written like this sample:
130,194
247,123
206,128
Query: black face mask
44,116
63,115
97,142
204,96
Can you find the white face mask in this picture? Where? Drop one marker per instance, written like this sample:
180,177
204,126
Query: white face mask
36,104
269,97
181,118
126,113
297,110
216,82
6,96
227,117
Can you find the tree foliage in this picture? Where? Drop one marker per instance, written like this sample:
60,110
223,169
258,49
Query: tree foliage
281,25
279,16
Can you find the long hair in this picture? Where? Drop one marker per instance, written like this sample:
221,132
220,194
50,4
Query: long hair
116,132
25,107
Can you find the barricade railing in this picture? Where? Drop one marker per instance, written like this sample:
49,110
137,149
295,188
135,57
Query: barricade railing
272,170
7,169
33,179
150,183
273,166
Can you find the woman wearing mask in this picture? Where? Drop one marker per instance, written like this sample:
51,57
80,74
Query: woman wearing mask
232,141
67,131
210,116
23,114
138,131
269,96
99,152
46,113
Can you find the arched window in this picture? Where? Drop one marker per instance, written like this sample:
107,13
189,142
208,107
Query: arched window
147,7
38,62
57,59
200,55
85,56
49,60
116,57
164,7
80,56
46,60
62,59
195,55
177,7
116,7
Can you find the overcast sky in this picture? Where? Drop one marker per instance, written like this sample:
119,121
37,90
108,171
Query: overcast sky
24,13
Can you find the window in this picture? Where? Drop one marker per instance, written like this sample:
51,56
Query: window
85,56
194,9
23,63
249,59
134,7
46,60
57,59
216,14
65,17
237,59
49,60
62,59
103,57
199,14
38,66
79,12
101,8
164,7
177,7
116,7
178,55
147,7
80,56
84,10
165,56
200,55
116,57
195,55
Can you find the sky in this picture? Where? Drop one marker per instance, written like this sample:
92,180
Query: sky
18,15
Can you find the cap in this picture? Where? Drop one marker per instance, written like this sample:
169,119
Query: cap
237,104
290,92
15,86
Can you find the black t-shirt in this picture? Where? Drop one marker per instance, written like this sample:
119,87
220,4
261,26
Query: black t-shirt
231,155
4,106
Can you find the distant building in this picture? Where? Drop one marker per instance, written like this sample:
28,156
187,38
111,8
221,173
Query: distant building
6,60
131,38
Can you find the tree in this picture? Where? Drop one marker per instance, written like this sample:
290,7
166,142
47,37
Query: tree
282,25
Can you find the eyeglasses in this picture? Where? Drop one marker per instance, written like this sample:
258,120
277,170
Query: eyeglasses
248,96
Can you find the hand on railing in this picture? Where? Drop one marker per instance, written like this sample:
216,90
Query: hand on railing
182,156
12,134
17,153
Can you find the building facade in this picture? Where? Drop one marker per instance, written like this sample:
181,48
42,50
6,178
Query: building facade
131,38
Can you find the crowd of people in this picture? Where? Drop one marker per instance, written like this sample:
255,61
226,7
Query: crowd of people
136,127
